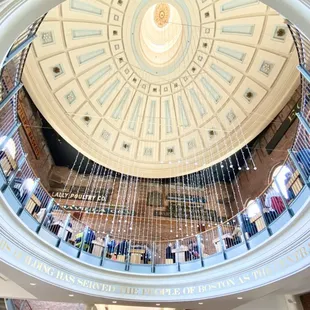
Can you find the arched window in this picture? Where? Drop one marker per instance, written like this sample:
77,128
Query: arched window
252,208
281,174
28,185
10,147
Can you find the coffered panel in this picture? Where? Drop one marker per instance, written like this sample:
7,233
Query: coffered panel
196,89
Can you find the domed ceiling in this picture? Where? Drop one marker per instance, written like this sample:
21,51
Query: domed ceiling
158,89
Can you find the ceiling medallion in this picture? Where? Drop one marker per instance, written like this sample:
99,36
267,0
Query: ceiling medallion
162,14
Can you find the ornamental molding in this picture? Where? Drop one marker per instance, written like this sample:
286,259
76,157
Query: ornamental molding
162,14
284,254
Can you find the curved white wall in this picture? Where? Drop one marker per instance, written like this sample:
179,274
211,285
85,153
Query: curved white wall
17,16
284,254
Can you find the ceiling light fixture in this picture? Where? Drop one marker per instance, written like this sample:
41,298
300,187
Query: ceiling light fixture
114,302
33,284
239,297
71,295
200,303
157,304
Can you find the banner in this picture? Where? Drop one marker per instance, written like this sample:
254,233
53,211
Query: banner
101,210
96,197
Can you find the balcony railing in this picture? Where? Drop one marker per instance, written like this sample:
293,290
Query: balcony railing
270,211
306,3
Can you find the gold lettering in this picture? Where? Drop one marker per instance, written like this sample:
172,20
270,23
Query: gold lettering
292,115
258,274
176,292
188,290
28,260
108,288
231,282
4,245
303,252
80,282
129,290
18,254
246,278
147,291
202,288
212,287
159,292
48,269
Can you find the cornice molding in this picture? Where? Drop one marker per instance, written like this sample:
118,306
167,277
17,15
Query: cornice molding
246,271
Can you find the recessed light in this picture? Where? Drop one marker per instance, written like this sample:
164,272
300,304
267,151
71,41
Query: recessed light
157,304
200,303
240,298
33,284
114,302
71,295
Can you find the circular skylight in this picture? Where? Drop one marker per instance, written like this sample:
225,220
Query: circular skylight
161,34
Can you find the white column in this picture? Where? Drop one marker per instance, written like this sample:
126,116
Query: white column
15,21
293,10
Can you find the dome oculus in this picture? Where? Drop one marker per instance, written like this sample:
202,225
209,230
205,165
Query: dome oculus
162,14
161,35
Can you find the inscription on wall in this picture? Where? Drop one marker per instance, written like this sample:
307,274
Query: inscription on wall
10,252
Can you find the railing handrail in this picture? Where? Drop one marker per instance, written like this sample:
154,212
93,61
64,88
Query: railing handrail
174,240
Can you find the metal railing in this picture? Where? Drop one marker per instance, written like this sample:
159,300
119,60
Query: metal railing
268,213
302,44
306,3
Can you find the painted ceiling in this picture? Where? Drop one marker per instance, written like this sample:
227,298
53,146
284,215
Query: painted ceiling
159,89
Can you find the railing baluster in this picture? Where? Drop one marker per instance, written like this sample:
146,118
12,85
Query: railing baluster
18,49
304,72
11,178
241,223
9,136
303,122
85,231
282,197
105,249
219,229
10,95
47,211
261,208
29,195
198,238
297,165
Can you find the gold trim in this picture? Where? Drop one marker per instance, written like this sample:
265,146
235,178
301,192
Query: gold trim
162,14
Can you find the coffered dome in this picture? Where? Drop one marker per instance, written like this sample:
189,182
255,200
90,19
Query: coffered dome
158,89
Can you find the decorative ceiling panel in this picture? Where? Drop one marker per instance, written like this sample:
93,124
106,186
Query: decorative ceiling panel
200,85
